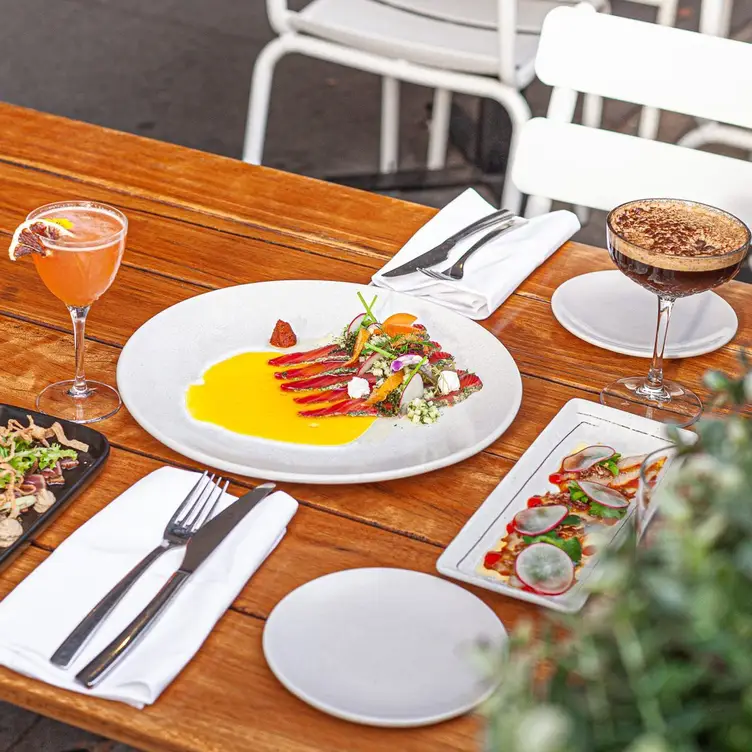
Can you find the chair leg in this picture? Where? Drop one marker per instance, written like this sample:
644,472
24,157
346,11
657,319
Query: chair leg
650,120
258,102
438,135
390,90
592,116
519,113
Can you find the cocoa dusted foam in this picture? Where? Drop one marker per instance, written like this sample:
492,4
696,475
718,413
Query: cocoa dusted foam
678,235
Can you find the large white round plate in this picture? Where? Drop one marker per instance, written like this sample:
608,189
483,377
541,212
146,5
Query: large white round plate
174,349
609,310
384,647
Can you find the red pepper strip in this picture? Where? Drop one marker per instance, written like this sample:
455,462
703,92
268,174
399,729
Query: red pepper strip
317,383
438,355
330,395
346,407
324,368
332,351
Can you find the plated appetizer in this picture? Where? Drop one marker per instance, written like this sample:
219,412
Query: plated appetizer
389,368
33,460
548,543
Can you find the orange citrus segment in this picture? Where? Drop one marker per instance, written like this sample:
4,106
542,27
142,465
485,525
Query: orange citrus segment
360,341
30,235
399,323
382,392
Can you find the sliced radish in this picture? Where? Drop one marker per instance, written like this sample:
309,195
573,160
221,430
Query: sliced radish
545,568
354,325
368,364
628,463
608,497
586,458
539,520
414,390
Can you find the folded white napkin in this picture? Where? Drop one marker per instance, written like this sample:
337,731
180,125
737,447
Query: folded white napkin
40,613
494,272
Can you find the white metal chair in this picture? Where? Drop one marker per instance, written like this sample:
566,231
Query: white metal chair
715,19
484,48
682,71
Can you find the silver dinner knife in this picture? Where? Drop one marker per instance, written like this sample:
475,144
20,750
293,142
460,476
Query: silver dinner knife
441,252
203,543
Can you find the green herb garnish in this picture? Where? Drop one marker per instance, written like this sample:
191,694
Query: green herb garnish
370,318
576,493
598,510
571,547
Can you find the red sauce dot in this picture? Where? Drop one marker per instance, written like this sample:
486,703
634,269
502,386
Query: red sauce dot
589,550
511,528
534,501
492,557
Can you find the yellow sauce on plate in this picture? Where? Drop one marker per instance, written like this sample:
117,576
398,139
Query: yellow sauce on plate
242,395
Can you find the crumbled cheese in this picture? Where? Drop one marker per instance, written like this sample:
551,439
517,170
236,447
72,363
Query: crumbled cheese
358,388
448,382
380,368
420,411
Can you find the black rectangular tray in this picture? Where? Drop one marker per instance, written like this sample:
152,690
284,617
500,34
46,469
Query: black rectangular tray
76,480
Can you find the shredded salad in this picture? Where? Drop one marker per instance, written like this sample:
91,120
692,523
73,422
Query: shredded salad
32,460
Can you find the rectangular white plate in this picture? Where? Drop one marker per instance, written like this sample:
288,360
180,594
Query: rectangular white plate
579,423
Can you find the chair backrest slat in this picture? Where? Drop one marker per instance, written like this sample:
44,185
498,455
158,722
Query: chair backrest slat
657,66
646,64
602,169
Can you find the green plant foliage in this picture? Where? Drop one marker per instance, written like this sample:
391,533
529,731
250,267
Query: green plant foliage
661,658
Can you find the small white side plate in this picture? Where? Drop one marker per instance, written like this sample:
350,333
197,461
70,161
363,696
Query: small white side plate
383,647
609,310
579,423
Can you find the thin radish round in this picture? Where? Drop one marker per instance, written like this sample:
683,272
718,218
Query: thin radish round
545,568
539,520
367,364
586,458
354,325
608,497
414,390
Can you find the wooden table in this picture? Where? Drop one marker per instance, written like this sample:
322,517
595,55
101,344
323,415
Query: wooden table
198,222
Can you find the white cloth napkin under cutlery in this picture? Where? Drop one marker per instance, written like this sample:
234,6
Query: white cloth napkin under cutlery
494,272
40,613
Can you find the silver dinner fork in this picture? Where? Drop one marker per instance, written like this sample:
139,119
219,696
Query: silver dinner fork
457,270
186,520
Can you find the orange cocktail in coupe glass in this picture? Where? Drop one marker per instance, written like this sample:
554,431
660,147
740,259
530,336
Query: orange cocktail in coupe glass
79,268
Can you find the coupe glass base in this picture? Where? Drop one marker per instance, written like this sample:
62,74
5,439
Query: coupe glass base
681,406
101,401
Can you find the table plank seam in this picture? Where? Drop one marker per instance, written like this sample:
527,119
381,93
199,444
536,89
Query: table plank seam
57,328
334,243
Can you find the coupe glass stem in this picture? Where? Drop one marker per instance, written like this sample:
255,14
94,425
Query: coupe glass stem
78,316
654,383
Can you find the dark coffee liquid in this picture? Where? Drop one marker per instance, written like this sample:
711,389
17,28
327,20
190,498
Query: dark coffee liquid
671,282
676,248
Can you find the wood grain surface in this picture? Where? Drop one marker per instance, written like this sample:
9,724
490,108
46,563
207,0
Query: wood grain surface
199,222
